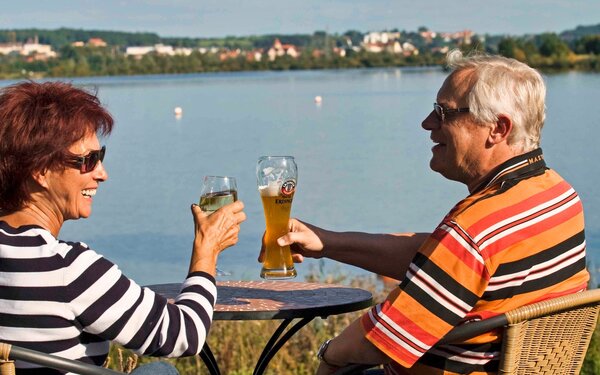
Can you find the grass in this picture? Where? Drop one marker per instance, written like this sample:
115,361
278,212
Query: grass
237,344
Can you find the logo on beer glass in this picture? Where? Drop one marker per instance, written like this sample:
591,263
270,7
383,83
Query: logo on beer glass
288,187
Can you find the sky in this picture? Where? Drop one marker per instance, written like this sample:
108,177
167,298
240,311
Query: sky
219,18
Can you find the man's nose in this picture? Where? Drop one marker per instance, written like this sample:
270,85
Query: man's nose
431,122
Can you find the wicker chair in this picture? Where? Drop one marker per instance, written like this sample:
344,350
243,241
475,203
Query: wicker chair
548,337
8,353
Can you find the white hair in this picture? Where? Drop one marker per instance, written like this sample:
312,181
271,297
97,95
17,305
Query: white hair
508,87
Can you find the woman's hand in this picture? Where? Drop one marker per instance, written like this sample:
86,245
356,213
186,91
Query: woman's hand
213,234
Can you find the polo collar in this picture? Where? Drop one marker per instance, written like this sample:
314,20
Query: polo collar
514,170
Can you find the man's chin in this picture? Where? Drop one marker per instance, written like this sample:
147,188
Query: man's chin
436,166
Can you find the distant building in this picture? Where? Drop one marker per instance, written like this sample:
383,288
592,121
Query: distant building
31,49
341,52
229,54
43,49
78,43
409,49
254,55
138,51
159,49
428,35
463,37
278,49
374,47
394,47
390,47
96,42
384,37
443,50
8,48
212,50
377,42
36,51
183,51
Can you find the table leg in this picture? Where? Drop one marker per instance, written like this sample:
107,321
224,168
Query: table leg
209,360
276,342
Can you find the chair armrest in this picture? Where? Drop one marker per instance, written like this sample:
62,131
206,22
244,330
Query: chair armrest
52,361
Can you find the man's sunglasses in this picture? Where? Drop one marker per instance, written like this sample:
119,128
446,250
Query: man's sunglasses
441,112
88,162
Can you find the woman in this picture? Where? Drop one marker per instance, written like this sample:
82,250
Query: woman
62,297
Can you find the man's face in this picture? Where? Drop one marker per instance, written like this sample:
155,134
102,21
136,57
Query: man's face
460,142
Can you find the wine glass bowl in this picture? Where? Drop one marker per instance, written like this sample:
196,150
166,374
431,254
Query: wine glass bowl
216,192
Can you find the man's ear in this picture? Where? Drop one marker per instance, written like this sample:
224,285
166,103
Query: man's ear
500,130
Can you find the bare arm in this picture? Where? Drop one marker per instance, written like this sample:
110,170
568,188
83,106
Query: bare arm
348,347
385,254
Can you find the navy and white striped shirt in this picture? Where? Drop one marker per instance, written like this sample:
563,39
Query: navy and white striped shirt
65,299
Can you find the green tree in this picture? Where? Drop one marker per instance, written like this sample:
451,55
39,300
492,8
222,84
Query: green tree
507,47
550,45
588,44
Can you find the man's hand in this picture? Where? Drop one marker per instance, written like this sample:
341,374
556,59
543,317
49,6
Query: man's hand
302,240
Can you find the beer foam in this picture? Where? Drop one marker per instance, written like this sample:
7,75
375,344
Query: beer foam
268,170
270,190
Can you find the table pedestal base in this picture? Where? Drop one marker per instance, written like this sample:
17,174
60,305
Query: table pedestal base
277,340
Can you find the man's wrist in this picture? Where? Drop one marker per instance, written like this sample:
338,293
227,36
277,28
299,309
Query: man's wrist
322,352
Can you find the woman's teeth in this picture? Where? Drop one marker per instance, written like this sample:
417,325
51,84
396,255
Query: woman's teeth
89,192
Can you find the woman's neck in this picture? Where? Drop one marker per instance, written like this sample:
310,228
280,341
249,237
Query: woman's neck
32,215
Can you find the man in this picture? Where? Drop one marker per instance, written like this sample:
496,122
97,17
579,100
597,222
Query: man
517,238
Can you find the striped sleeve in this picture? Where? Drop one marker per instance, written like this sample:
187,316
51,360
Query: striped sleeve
108,304
444,282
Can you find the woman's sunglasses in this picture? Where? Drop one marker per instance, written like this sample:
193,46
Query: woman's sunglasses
88,162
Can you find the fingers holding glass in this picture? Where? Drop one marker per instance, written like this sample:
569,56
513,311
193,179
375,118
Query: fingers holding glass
216,192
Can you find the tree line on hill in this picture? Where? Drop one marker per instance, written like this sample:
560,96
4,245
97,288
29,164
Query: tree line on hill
573,49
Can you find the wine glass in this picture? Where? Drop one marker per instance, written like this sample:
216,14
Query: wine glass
216,192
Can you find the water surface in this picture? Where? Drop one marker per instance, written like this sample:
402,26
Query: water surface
362,157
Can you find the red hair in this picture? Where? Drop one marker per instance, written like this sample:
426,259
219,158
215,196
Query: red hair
39,122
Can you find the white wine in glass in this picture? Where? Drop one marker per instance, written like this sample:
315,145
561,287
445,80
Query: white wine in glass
217,191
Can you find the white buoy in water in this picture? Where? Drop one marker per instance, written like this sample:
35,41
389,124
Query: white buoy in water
318,99
178,111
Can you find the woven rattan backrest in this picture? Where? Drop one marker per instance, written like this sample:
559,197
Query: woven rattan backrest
552,344
7,367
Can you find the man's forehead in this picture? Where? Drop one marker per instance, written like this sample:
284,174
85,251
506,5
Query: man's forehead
456,86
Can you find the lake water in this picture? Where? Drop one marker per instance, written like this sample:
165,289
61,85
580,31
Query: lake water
362,157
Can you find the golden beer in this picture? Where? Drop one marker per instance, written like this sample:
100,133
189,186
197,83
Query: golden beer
278,260
277,185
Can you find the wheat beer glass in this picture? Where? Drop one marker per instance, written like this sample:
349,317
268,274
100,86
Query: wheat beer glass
276,177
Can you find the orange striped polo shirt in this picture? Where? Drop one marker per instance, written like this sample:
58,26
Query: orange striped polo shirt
517,239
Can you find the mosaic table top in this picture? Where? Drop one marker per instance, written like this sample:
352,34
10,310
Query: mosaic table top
250,300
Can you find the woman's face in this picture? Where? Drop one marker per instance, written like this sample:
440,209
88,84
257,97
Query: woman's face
71,192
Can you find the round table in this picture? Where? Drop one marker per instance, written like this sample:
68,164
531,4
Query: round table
266,300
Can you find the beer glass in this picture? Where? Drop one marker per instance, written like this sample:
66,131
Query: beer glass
276,178
216,192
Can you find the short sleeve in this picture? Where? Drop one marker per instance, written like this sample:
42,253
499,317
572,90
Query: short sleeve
443,283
